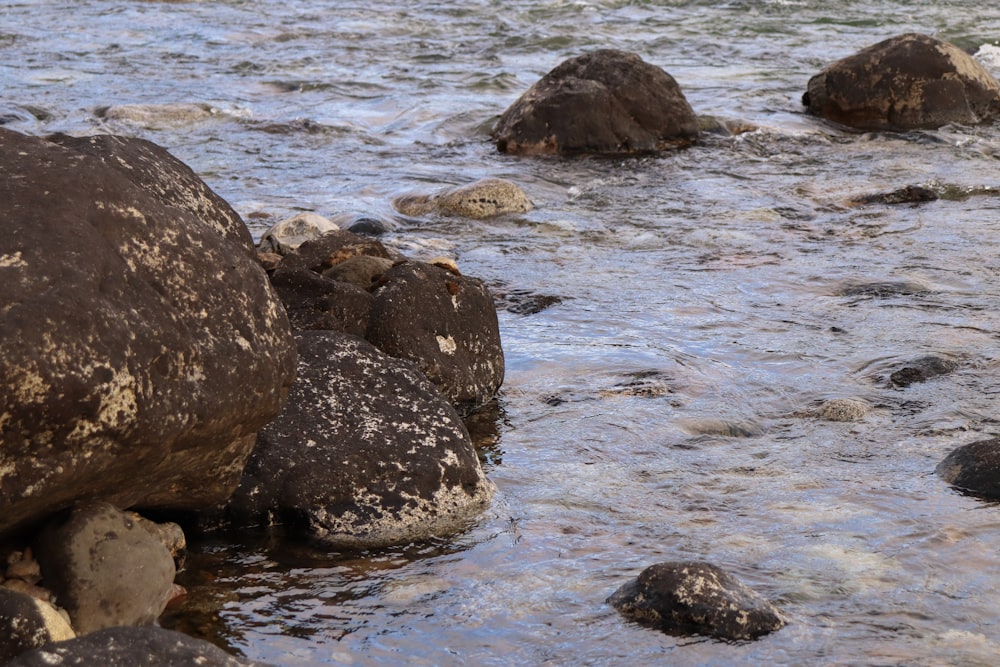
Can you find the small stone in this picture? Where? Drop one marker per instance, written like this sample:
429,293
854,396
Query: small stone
290,233
27,622
843,409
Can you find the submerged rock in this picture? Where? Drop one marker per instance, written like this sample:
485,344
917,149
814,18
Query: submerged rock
159,115
911,194
696,598
485,198
367,453
974,468
142,344
906,82
131,647
27,623
106,569
921,370
606,101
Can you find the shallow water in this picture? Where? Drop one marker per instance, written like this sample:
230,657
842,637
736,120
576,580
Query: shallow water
709,302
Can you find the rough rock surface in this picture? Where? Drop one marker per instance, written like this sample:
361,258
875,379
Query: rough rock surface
605,101
447,324
974,468
142,344
27,623
906,82
922,369
287,235
696,598
105,568
366,454
485,198
131,647
313,301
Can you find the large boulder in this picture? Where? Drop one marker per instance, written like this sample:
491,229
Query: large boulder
606,101
131,647
367,453
692,597
105,568
447,324
906,82
142,346
974,468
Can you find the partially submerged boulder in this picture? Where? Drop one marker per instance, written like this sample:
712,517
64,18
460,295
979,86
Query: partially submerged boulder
366,454
692,597
485,198
142,345
974,468
906,82
288,234
606,101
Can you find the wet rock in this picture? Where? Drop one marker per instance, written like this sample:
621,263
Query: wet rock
142,344
444,322
363,270
131,647
521,301
485,198
369,227
843,410
366,454
974,468
105,569
331,249
723,427
921,370
911,194
315,302
605,101
696,598
290,233
156,116
27,623
884,289
907,82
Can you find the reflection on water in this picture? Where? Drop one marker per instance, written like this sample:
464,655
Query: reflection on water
673,325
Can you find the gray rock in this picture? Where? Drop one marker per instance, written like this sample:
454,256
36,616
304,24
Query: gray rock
485,198
105,568
447,324
287,235
605,101
27,623
131,647
142,344
974,468
906,82
366,454
696,598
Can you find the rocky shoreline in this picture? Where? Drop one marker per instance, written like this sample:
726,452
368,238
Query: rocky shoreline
155,359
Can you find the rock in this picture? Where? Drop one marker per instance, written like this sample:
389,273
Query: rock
605,101
363,270
447,324
484,198
105,569
906,82
366,454
331,249
884,289
843,410
911,194
169,534
723,427
142,344
921,370
696,598
315,302
27,623
369,226
290,233
131,647
974,468
157,116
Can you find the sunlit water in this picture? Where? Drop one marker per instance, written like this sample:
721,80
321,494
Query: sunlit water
700,291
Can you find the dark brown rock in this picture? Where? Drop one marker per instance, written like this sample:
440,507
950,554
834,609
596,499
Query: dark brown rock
367,453
315,302
131,647
907,82
141,343
105,568
696,598
444,322
974,468
922,369
331,249
606,101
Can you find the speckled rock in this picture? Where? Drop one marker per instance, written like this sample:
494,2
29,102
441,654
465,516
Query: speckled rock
843,409
906,82
696,598
484,198
315,302
444,322
131,647
290,233
142,344
974,468
105,568
605,101
366,454
27,623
